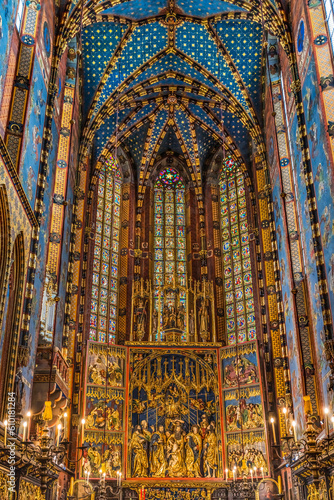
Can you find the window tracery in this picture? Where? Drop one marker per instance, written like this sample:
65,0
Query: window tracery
240,317
103,316
169,238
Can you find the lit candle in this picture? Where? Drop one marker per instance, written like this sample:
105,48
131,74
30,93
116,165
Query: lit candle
326,411
5,439
104,479
58,434
226,470
234,473
262,470
273,428
100,473
285,413
24,431
65,426
294,425
332,419
83,421
254,471
29,423
120,479
251,472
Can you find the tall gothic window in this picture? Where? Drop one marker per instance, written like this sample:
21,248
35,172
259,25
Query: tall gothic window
106,256
240,318
169,237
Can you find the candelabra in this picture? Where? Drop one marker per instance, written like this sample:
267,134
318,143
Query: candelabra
101,490
43,454
313,448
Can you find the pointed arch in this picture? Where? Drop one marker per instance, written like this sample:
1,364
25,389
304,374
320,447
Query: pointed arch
5,245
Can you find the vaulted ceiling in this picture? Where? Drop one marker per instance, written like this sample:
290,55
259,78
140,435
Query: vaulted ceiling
161,75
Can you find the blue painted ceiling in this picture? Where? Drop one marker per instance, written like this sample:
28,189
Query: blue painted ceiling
129,92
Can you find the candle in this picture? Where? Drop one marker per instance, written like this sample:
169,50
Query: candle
120,479
279,484
326,411
29,423
234,473
294,424
251,472
226,471
65,426
273,427
82,428
254,471
262,470
5,440
332,419
285,413
104,479
58,434
24,431
100,473
71,485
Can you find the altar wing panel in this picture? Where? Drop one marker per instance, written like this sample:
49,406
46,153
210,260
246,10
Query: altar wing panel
243,411
105,394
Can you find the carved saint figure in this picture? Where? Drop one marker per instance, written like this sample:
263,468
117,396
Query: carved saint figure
180,317
165,316
193,452
141,319
191,326
138,454
158,458
210,453
155,320
203,321
175,453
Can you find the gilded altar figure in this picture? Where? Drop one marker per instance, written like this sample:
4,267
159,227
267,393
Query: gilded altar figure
191,326
140,321
181,314
172,317
138,454
210,455
165,317
113,420
158,458
203,321
175,453
155,321
193,452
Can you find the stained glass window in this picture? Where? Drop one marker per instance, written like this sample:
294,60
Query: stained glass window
240,318
106,256
169,237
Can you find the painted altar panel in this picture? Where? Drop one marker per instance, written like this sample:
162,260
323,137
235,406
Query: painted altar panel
174,414
104,410
244,418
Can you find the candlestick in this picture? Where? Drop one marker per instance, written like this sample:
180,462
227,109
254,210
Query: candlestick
100,473
326,411
294,424
58,434
5,439
254,471
24,431
104,479
120,479
273,427
279,484
226,471
251,472
262,470
234,473
29,424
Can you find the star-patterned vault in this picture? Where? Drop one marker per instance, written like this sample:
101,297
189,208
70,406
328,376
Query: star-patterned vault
172,75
